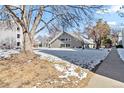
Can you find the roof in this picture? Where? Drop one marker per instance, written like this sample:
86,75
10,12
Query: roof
56,37
87,41
81,38
85,38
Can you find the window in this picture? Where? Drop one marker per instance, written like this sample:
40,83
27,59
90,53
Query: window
67,45
4,44
18,35
62,39
66,39
18,43
62,45
18,28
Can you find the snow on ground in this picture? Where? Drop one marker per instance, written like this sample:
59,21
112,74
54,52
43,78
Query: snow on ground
6,53
121,53
70,70
87,58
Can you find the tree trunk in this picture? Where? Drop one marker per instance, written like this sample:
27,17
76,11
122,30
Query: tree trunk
27,43
98,44
82,43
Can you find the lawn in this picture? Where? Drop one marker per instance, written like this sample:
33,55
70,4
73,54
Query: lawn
49,68
87,58
121,53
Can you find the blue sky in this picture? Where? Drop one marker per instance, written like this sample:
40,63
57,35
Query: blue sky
108,13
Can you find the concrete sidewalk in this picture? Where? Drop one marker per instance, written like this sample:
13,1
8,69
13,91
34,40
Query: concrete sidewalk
110,73
112,67
98,81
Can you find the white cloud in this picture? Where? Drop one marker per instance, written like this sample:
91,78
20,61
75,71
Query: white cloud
112,9
102,11
112,23
115,8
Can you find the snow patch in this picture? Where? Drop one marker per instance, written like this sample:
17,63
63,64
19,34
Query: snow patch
87,58
7,53
121,53
70,71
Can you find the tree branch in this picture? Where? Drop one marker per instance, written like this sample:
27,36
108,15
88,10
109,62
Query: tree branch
37,20
16,17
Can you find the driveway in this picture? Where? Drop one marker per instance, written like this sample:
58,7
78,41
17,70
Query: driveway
112,67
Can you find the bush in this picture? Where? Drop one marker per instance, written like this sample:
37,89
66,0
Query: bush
119,46
107,42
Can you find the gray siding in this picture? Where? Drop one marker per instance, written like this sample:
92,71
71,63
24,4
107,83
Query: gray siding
73,42
56,44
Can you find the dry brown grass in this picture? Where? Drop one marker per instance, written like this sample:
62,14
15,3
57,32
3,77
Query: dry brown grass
30,71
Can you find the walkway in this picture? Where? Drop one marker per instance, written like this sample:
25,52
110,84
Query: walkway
99,81
112,67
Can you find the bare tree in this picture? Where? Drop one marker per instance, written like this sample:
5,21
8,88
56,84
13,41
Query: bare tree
30,18
54,30
98,32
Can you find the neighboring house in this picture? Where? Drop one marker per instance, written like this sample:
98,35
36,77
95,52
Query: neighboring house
120,30
121,38
10,36
69,40
37,43
41,41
